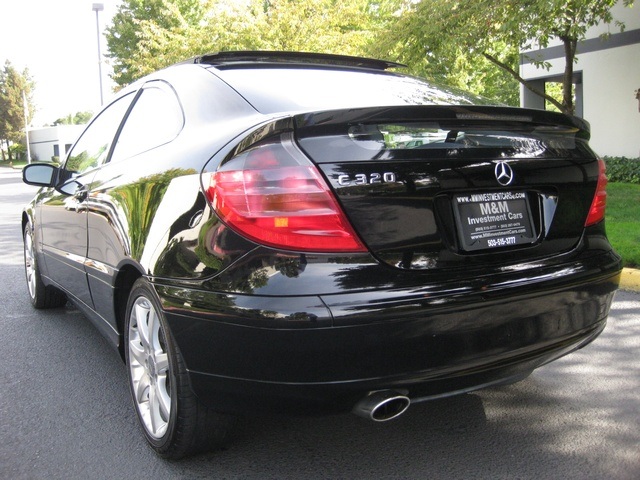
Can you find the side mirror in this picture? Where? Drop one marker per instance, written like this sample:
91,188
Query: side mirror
39,174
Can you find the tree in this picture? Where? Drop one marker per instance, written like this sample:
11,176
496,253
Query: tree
447,61
15,87
444,31
329,26
80,118
141,42
135,21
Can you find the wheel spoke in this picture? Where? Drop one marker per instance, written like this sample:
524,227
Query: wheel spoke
136,350
142,387
159,408
162,363
153,331
154,416
142,320
164,400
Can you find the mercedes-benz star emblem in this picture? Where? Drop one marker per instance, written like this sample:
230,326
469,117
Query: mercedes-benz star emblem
504,174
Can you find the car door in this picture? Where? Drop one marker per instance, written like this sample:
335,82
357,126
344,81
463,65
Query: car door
126,191
63,211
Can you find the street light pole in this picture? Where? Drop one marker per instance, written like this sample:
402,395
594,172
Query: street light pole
98,7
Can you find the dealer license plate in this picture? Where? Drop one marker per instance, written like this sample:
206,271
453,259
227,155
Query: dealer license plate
493,220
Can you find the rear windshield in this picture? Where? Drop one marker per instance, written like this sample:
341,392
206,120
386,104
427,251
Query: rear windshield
272,90
526,140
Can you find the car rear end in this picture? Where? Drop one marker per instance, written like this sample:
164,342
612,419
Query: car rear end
413,242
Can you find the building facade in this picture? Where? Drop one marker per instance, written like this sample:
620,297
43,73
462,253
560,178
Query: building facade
606,79
49,144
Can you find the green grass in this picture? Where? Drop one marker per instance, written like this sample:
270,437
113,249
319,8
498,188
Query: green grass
14,164
623,221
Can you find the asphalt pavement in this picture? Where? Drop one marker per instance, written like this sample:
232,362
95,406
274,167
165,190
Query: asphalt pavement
65,411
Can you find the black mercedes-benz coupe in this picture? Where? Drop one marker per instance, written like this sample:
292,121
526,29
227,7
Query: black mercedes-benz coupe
316,233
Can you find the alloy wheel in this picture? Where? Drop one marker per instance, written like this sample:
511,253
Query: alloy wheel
149,368
30,264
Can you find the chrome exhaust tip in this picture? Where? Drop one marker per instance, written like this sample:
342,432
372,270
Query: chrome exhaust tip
382,406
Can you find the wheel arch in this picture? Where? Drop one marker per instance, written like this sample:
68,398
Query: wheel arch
126,277
26,220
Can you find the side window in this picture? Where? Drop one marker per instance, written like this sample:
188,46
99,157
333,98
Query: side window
92,148
155,119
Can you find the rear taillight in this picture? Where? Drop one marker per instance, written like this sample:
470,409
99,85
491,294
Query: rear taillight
273,194
599,203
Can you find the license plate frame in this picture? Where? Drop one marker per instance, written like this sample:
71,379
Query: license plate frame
489,220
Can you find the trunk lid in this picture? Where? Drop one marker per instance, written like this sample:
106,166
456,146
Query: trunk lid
448,186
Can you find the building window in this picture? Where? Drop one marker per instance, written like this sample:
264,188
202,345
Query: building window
553,86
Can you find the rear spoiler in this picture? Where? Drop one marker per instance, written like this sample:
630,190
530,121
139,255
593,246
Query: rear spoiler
455,115
240,58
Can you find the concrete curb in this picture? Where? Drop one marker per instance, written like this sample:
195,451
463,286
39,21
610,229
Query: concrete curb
630,279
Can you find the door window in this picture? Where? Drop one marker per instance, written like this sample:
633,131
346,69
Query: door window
92,149
155,119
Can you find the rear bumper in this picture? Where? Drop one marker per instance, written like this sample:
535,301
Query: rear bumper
246,352
239,395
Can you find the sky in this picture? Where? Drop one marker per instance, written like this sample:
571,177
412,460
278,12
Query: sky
57,41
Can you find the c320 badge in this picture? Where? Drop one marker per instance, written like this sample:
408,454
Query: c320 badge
366,179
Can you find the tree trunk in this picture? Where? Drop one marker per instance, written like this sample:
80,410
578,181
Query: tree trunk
567,81
8,150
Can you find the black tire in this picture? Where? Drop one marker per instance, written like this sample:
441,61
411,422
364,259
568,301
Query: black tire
41,295
174,422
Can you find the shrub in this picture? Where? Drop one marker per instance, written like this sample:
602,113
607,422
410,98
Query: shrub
623,169
18,151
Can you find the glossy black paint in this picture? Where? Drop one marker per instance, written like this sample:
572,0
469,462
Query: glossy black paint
261,326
